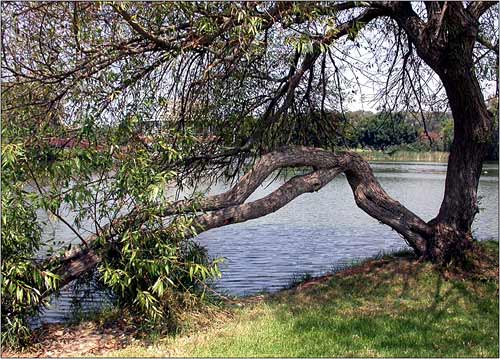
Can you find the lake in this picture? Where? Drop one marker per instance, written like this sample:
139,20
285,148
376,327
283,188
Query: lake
317,232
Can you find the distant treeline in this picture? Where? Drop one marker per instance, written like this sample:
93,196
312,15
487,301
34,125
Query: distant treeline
406,131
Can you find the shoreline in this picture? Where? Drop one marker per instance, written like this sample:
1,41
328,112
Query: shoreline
403,155
328,293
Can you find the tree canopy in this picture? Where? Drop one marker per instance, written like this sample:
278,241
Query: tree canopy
107,104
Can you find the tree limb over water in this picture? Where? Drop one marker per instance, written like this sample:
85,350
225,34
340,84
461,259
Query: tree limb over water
230,207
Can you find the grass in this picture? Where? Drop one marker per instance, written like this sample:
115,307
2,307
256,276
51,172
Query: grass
392,306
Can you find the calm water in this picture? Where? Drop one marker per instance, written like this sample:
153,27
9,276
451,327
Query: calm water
318,231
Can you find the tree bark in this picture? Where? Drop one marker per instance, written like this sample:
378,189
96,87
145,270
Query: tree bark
473,125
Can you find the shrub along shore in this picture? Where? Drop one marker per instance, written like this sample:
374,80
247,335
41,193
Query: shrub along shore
390,306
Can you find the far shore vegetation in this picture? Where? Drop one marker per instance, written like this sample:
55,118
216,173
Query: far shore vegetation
402,155
403,136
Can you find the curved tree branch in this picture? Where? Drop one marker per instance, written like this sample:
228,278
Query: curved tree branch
478,8
406,17
487,43
139,29
293,188
230,207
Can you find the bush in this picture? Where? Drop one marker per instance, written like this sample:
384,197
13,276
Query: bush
23,281
151,270
157,274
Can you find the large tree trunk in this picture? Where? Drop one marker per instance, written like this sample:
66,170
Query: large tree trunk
473,125
472,131
446,43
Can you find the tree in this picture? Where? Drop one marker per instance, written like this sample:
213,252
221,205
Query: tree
236,83
382,130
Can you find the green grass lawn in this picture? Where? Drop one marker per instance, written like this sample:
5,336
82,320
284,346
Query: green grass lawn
390,307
